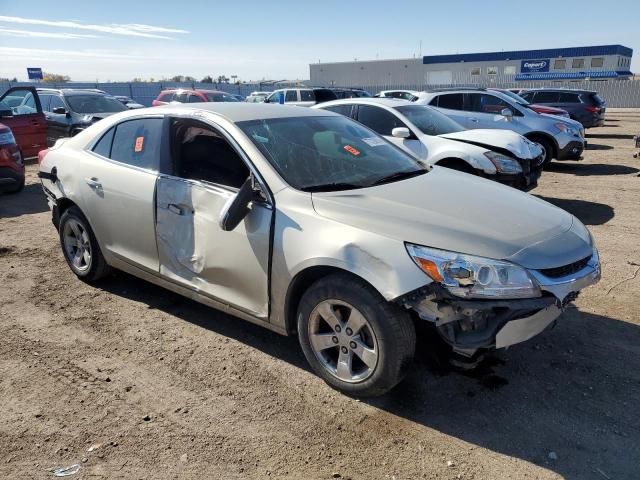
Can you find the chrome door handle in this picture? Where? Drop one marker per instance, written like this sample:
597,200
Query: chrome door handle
93,182
175,209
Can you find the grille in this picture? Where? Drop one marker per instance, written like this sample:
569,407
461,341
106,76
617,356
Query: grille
565,270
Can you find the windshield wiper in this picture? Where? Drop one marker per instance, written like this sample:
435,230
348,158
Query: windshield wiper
332,187
399,176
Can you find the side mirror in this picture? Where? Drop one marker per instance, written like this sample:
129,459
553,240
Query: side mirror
59,111
401,132
507,113
237,207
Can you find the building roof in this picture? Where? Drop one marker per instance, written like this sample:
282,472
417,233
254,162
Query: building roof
530,54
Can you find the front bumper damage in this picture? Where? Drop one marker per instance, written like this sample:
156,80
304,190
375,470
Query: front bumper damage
469,326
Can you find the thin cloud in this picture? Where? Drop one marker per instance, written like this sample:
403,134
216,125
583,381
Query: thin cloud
40,53
132,30
8,32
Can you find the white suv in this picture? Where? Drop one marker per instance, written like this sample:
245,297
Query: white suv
302,97
561,138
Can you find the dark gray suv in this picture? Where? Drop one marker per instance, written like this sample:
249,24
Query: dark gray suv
585,106
69,111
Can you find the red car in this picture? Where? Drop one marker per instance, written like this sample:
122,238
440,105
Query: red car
21,111
191,96
536,108
11,165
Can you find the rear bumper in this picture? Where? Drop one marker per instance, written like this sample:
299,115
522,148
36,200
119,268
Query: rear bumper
10,178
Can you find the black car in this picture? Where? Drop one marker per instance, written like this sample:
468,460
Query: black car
585,106
69,111
350,93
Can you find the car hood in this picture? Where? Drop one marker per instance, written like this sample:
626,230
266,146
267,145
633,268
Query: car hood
458,212
506,140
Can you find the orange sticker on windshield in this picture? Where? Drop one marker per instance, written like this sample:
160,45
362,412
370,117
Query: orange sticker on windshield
352,150
139,144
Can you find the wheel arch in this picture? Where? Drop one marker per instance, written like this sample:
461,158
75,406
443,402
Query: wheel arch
533,135
456,163
302,281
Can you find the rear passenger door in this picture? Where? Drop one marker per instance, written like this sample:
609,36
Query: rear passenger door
117,186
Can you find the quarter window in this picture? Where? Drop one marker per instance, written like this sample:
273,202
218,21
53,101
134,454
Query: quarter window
577,63
137,143
452,101
378,119
103,147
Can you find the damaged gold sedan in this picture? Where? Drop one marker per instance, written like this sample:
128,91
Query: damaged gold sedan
308,223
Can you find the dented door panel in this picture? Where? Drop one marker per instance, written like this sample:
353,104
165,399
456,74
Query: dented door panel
194,251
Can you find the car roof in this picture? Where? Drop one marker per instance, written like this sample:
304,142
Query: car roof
568,90
202,90
242,111
70,91
386,102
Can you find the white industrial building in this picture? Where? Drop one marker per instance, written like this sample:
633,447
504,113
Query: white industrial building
603,62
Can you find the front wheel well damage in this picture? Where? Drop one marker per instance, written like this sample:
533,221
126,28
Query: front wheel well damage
300,283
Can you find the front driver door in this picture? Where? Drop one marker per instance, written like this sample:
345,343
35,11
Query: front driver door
231,267
22,113
383,122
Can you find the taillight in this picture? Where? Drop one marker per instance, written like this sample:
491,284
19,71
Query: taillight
41,155
592,109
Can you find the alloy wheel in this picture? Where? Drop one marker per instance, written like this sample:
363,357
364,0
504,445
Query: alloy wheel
343,341
77,246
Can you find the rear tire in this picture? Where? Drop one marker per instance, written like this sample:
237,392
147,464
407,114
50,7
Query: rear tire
353,338
80,247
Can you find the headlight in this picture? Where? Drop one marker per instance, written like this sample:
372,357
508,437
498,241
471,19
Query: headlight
468,276
7,138
563,127
503,163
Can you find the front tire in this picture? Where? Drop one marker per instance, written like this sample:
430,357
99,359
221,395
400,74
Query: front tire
353,338
80,247
548,150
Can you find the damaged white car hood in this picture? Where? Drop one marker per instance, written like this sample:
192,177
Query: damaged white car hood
509,140
458,212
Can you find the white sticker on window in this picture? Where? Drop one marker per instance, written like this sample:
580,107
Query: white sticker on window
374,141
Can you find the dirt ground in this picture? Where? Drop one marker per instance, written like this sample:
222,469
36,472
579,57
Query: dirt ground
163,387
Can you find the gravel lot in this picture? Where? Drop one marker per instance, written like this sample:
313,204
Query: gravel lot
163,387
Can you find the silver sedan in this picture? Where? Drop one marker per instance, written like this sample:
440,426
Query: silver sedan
306,222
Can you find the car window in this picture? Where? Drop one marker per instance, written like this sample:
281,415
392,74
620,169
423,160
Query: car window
220,97
275,96
291,96
329,153
201,153
21,102
56,102
166,97
195,98
378,119
181,97
137,143
485,103
565,97
452,101
307,96
91,103
429,120
45,101
323,95
545,97
341,109
528,96
103,147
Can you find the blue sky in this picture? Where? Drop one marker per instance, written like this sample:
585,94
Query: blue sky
120,40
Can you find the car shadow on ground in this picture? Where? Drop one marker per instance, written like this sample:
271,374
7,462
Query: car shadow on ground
619,136
30,200
597,146
572,390
589,213
566,391
588,169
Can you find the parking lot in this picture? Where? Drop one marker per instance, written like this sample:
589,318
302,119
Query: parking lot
162,387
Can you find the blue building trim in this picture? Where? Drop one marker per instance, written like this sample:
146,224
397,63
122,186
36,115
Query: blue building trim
530,54
572,75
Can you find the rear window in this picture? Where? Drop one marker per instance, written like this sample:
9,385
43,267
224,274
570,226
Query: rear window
595,98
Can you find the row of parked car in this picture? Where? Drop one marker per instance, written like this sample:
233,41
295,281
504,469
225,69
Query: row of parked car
451,127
